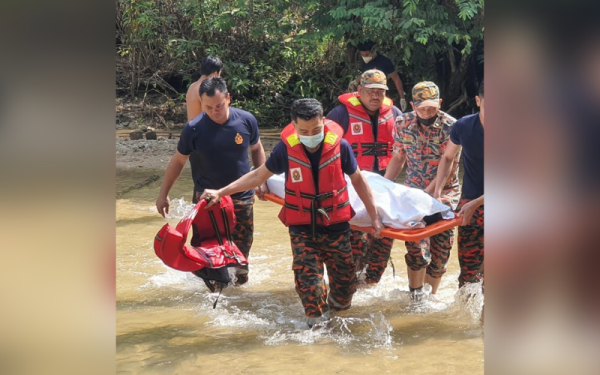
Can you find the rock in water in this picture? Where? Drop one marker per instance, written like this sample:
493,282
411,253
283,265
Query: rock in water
135,135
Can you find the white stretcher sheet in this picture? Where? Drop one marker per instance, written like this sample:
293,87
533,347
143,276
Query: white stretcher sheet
399,207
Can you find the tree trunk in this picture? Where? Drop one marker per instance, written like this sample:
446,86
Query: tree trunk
133,72
454,90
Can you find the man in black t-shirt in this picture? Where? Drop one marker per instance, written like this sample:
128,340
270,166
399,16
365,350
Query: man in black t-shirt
220,137
467,134
373,60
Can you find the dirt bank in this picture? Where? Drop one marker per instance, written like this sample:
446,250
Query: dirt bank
157,154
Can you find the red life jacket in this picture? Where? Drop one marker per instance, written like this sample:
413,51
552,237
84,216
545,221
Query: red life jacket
216,249
360,132
302,203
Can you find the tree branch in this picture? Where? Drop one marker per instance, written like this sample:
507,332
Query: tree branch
462,99
451,59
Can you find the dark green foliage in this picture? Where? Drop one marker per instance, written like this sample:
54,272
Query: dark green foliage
277,51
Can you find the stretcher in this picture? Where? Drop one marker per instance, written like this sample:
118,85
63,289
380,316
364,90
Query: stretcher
398,234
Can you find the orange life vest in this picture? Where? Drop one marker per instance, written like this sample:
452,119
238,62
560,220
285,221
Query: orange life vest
216,249
304,203
360,132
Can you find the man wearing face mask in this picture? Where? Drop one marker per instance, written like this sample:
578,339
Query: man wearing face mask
367,118
420,138
373,60
315,157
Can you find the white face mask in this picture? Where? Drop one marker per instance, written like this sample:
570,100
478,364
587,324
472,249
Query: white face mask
312,141
367,59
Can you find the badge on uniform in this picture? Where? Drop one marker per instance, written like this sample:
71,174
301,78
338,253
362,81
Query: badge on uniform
238,139
296,174
356,128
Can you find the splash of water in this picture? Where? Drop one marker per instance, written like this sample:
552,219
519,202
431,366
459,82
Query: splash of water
178,208
470,299
368,333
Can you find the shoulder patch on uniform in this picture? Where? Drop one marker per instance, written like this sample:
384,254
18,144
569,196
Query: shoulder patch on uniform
293,140
354,100
330,138
447,120
387,101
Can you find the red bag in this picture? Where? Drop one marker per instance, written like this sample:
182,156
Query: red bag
216,248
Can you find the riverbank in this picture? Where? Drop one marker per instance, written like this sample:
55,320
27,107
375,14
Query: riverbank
157,153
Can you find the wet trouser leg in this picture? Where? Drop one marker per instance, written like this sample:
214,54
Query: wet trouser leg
243,234
470,248
372,252
440,246
309,256
432,252
340,270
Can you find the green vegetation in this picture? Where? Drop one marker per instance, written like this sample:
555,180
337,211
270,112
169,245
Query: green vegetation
279,50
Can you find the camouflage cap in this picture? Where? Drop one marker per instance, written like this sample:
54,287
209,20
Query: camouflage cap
426,93
374,79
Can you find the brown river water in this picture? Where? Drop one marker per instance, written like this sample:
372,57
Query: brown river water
166,323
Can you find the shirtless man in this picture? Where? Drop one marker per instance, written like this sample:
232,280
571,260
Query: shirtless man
211,67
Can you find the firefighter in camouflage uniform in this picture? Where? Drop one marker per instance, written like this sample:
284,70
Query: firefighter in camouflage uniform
420,138
367,118
314,157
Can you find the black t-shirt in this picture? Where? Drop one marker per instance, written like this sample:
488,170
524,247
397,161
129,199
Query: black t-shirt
468,133
277,163
222,150
380,62
340,115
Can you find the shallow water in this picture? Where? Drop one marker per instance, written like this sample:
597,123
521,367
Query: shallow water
166,323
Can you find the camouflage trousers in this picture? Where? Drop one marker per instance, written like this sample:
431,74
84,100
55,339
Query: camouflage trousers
432,252
374,253
470,248
310,255
243,233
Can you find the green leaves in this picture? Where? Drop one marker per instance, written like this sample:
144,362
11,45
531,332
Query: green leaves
294,48
468,8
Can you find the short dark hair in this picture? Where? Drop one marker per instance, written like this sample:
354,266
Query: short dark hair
366,46
211,85
306,109
480,92
210,65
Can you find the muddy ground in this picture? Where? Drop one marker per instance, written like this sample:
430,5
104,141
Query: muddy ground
156,154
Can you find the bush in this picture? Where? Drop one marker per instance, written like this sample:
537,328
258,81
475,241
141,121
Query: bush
275,52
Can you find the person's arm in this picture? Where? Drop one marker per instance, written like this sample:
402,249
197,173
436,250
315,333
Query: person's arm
398,154
396,78
395,166
469,208
171,175
447,166
364,193
398,82
248,181
257,154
